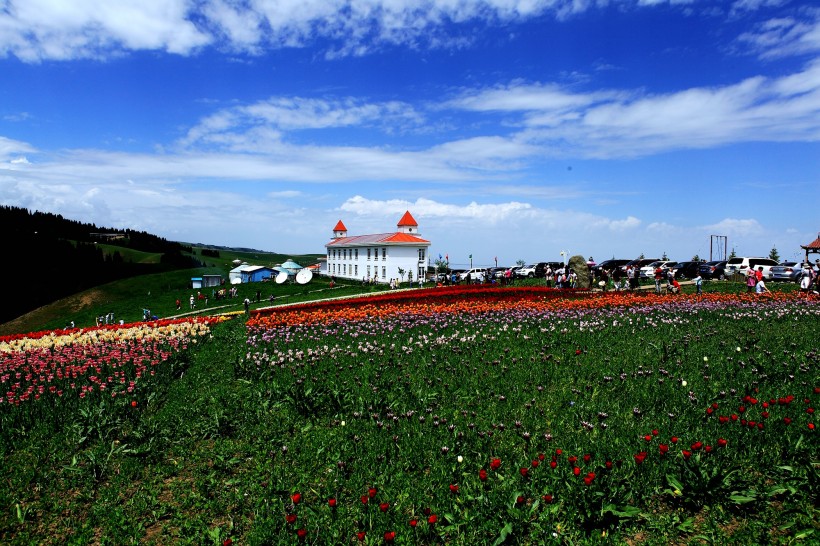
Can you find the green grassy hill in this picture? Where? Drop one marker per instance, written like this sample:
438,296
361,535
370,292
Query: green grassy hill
158,292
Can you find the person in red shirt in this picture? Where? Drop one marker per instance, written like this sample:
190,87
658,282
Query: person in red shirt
759,273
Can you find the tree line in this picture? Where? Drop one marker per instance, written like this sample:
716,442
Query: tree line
48,257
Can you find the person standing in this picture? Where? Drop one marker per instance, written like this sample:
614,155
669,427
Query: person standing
805,279
699,286
658,279
751,280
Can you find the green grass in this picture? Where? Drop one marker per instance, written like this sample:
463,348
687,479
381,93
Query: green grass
131,255
220,442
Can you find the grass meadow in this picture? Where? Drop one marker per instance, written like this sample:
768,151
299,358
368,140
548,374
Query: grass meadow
464,415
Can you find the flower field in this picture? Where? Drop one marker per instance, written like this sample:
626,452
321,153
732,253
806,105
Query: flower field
465,415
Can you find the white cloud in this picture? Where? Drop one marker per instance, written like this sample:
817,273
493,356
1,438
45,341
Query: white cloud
736,227
262,125
37,30
632,123
34,30
784,36
425,208
627,223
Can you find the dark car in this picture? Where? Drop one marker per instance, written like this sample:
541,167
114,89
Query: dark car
687,270
787,271
609,265
715,269
639,263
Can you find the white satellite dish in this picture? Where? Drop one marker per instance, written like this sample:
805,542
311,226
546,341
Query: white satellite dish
304,276
281,277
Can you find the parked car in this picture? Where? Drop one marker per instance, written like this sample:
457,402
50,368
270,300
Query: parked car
476,274
639,263
686,270
498,272
787,271
609,265
532,270
648,271
742,264
715,269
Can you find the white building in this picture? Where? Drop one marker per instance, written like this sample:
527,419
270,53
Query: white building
378,256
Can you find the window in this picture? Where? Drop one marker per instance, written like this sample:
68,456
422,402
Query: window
368,253
368,270
356,270
356,251
344,269
384,272
421,254
384,254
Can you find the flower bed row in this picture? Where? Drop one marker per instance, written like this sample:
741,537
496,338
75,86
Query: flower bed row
83,361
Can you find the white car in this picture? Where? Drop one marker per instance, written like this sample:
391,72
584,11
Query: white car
742,264
476,274
648,271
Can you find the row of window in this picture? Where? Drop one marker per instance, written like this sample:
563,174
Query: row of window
342,269
353,254
353,270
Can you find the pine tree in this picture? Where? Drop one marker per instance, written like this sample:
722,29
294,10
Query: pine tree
773,254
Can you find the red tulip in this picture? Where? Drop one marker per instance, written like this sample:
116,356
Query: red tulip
296,498
482,475
290,518
389,536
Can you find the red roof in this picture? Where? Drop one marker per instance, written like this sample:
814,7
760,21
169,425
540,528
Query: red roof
407,220
378,238
340,227
813,245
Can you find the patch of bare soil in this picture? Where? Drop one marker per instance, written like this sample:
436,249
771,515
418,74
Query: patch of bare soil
42,315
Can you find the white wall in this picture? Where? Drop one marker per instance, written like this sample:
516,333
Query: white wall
355,265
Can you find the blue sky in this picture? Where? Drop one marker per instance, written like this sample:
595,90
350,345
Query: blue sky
514,129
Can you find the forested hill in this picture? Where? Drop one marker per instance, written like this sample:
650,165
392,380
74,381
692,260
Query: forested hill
47,257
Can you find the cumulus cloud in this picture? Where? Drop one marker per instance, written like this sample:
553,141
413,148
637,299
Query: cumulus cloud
34,30
37,30
427,208
736,227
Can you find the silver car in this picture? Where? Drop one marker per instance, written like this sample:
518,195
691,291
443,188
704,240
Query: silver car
787,271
